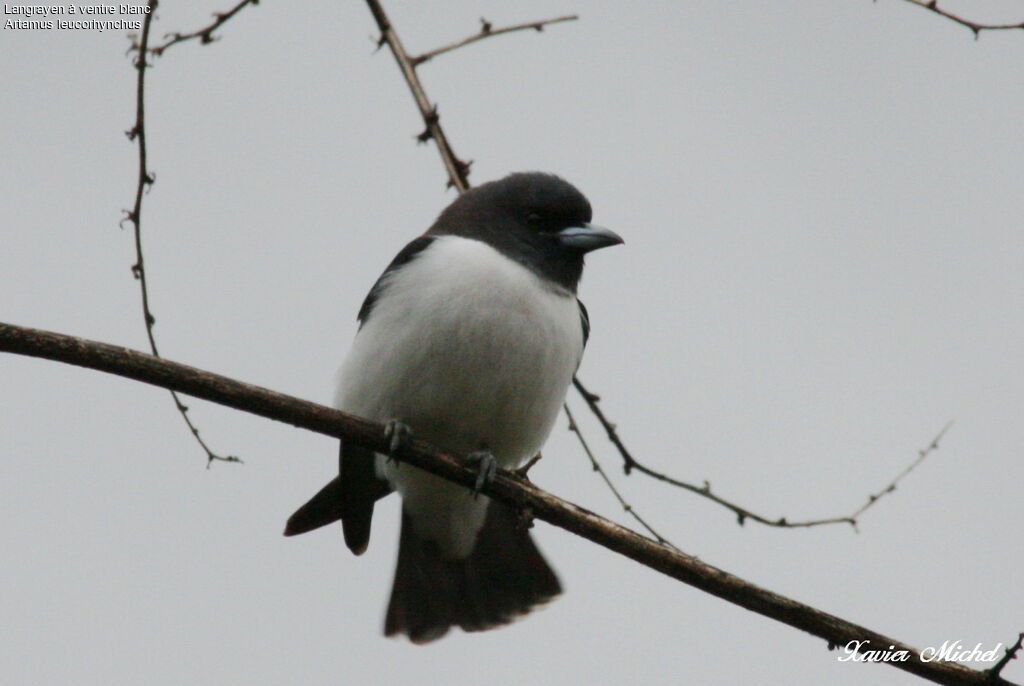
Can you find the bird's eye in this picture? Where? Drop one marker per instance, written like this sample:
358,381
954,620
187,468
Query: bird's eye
534,219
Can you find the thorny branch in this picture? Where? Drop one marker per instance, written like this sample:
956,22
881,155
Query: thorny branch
487,30
458,171
458,177
630,463
1009,654
146,179
975,27
506,487
596,466
205,34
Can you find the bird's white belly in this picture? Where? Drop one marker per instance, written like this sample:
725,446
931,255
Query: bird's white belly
478,354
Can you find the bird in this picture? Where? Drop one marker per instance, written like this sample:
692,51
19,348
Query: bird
468,340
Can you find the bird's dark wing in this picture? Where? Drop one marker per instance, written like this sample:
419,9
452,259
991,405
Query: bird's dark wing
349,497
585,321
404,256
360,489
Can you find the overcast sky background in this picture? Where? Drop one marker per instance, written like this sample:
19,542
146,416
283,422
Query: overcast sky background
822,206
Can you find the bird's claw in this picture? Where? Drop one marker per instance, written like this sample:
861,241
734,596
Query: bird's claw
396,433
486,468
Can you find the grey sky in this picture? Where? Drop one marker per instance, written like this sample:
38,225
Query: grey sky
821,204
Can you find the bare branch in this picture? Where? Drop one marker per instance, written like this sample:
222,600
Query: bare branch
145,180
574,427
1010,654
974,26
458,171
506,488
891,486
205,34
487,30
630,463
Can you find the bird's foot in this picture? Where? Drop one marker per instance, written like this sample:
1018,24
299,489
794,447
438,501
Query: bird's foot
486,468
397,434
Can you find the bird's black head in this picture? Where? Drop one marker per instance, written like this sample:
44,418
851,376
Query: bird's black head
537,219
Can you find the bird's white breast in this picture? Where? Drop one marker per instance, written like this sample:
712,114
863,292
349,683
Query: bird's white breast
474,352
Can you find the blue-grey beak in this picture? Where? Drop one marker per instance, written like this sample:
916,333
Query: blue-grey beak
587,237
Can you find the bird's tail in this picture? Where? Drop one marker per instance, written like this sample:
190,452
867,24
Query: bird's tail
505,576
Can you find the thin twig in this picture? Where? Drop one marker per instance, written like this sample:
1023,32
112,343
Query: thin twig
487,30
145,181
574,427
742,514
1010,654
524,471
921,454
974,26
205,34
506,488
458,171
